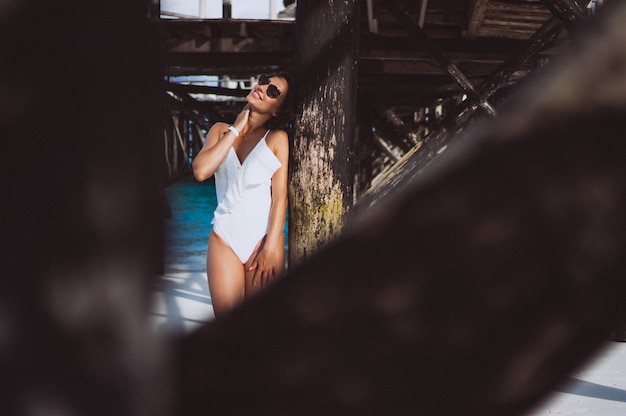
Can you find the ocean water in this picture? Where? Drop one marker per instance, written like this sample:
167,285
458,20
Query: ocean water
181,300
186,233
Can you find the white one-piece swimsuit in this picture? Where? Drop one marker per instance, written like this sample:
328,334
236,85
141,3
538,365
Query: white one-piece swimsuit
244,198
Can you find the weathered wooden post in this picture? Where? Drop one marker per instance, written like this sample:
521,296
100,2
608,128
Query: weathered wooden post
227,9
154,9
322,162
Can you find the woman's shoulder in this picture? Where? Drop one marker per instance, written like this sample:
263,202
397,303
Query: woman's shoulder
217,129
220,125
277,138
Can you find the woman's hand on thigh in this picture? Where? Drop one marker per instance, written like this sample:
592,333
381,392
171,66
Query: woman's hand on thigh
268,265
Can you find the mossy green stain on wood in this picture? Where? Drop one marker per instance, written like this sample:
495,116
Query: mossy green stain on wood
317,200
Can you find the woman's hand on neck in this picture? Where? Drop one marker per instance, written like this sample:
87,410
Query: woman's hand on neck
255,120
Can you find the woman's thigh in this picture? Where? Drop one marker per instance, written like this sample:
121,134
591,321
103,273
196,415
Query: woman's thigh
225,275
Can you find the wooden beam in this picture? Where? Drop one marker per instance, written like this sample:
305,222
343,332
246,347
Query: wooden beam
189,63
183,89
503,19
478,9
440,138
388,124
422,38
570,12
542,37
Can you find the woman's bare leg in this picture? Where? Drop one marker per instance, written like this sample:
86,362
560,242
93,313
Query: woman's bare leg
225,274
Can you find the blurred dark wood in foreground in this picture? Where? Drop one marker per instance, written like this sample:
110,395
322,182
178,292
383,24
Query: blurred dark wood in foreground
81,213
471,288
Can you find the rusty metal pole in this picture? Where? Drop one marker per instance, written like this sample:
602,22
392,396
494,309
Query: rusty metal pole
322,165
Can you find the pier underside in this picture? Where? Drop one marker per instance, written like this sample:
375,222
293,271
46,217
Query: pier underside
423,67
473,287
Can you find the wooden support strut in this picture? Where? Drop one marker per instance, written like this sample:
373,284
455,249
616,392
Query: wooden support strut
441,137
570,12
179,138
441,58
187,108
543,36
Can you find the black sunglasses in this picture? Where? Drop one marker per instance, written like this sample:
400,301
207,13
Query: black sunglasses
272,90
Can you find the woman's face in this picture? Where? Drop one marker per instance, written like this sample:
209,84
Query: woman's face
268,94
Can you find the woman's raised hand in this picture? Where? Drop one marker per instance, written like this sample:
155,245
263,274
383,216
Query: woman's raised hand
242,118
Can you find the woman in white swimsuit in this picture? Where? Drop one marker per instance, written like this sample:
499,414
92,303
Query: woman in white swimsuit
249,160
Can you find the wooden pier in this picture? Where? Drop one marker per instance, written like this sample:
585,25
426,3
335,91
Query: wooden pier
473,287
422,66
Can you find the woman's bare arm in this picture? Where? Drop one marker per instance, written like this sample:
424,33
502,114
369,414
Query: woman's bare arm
217,145
218,142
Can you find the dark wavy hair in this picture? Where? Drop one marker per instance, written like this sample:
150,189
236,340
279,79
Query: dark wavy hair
286,114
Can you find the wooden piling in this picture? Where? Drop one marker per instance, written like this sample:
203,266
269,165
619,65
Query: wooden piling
323,165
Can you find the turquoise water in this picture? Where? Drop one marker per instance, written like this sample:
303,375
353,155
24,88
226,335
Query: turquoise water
187,232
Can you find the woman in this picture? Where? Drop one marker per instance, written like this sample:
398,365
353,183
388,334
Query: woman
249,159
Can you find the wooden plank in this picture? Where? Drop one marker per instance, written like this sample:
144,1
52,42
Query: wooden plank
515,8
503,33
511,24
485,57
505,17
510,20
181,89
479,7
